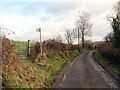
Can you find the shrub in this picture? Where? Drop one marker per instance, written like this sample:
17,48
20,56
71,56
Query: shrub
8,53
52,45
112,54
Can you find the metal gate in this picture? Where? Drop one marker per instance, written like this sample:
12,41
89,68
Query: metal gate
21,47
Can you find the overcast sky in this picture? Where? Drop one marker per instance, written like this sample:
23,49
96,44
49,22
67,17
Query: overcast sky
24,17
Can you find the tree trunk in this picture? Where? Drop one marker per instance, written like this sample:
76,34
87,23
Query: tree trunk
83,40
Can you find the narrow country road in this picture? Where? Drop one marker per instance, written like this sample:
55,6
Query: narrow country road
84,72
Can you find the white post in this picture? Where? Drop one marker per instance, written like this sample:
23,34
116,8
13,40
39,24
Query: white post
40,40
39,30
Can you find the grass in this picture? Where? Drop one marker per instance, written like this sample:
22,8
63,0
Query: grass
40,74
108,63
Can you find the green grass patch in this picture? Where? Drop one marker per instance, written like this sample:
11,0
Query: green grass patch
98,55
52,68
108,63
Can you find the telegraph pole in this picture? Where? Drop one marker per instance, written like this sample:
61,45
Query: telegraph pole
39,30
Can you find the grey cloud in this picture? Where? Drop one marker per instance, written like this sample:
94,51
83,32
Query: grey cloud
45,18
60,10
62,7
98,8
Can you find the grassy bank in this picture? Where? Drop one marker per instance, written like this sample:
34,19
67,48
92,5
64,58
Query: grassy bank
115,68
40,74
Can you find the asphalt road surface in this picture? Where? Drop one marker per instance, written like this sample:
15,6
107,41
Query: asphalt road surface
84,72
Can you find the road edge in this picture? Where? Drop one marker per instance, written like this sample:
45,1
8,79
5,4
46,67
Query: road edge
111,73
63,71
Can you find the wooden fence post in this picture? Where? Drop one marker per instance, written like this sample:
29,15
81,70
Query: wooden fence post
28,47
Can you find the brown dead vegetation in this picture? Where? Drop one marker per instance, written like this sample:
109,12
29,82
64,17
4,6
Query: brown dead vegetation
112,54
13,68
50,46
9,56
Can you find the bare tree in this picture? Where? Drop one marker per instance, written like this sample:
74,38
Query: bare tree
69,36
59,38
83,26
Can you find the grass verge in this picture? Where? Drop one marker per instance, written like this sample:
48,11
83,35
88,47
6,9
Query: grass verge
40,74
108,63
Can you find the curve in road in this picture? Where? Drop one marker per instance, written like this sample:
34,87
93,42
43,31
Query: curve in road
84,72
